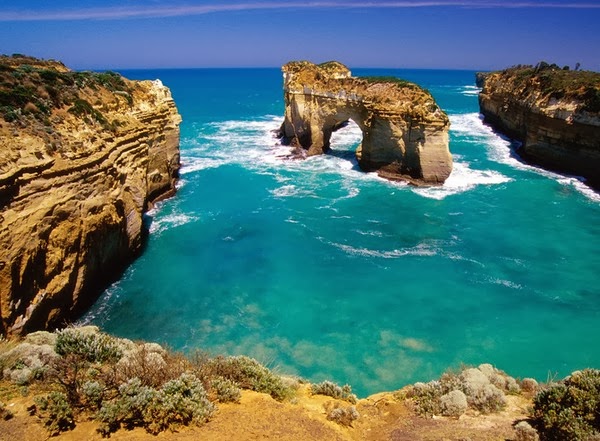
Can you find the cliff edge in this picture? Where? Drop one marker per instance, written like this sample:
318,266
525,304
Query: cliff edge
554,112
405,133
84,155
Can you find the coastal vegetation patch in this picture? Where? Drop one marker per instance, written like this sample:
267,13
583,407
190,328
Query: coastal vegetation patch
34,91
80,373
555,82
84,373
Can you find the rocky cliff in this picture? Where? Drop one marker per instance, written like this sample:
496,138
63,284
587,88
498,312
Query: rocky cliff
554,112
84,155
405,133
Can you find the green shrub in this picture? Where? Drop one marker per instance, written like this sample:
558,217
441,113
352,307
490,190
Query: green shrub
182,401
248,374
56,413
127,409
227,391
91,346
570,410
333,390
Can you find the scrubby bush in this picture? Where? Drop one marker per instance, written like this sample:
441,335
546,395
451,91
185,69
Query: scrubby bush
344,416
178,402
529,385
333,390
226,391
248,374
524,432
570,410
484,388
152,364
481,393
454,403
56,413
128,408
87,344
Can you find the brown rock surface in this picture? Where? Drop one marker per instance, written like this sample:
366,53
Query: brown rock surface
405,133
555,113
83,157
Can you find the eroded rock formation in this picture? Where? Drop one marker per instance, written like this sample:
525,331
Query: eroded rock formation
405,133
83,157
554,112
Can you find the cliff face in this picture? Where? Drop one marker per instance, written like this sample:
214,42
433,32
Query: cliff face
405,133
83,157
555,113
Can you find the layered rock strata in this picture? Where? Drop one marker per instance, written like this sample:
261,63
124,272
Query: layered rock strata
84,155
405,133
553,112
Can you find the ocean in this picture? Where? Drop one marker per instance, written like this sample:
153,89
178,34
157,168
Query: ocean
320,270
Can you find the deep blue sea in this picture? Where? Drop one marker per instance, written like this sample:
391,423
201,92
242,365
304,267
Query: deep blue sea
326,272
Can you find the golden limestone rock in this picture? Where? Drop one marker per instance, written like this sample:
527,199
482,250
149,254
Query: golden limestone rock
553,112
84,155
405,133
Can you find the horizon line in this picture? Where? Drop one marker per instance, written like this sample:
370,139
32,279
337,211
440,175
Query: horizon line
119,13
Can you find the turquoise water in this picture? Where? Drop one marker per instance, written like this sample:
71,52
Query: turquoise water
327,272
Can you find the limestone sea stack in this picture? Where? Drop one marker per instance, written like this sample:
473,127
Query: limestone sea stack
405,133
553,112
84,155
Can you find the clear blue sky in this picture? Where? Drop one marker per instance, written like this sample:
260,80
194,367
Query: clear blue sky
469,34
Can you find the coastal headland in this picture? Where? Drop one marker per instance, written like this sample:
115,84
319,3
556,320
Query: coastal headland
405,133
84,155
554,112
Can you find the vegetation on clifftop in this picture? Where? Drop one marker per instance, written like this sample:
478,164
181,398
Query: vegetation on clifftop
33,90
554,82
81,373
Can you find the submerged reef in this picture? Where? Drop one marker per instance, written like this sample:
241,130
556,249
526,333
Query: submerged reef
84,155
554,112
405,133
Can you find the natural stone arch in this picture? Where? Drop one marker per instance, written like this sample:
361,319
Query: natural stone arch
405,133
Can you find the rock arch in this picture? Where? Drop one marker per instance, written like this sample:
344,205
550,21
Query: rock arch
405,133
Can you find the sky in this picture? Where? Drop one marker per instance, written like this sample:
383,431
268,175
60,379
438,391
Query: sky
454,34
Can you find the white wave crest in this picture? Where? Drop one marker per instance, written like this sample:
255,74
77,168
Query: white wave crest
160,224
421,249
462,179
470,90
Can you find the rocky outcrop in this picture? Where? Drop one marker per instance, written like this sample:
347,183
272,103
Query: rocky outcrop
84,155
405,133
554,113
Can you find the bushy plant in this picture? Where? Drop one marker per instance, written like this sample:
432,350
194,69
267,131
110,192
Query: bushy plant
248,374
88,345
454,403
226,391
344,416
129,407
179,402
477,384
331,389
570,410
426,397
56,413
